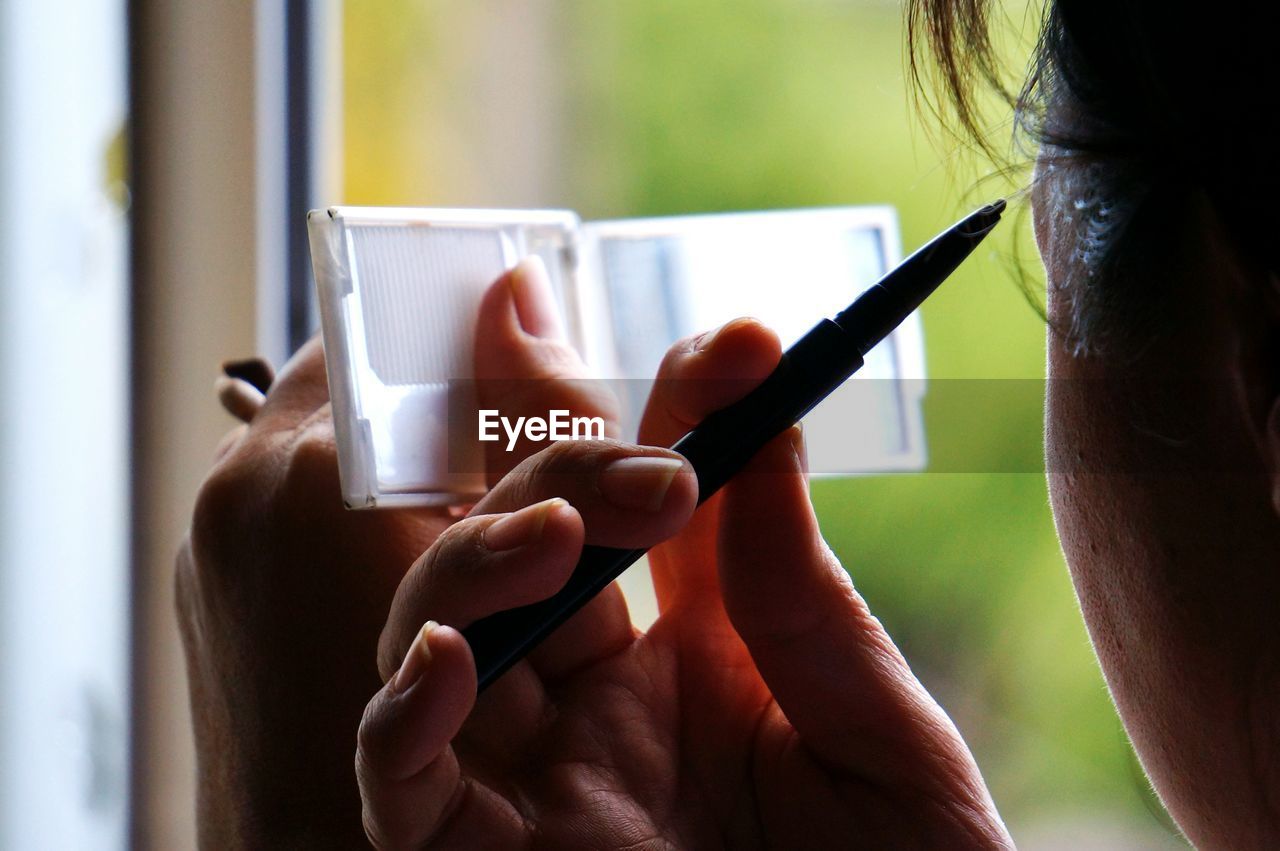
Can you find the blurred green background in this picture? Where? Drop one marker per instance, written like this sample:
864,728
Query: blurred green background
620,108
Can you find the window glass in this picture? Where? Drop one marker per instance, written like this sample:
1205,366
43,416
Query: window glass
64,578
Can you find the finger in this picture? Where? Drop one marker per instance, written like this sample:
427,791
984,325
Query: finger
697,377
525,368
703,374
598,631
238,397
479,566
256,371
411,785
297,392
626,497
534,302
482,565
629,496
229,442
829,664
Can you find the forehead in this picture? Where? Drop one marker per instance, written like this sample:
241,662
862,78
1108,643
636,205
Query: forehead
1128,259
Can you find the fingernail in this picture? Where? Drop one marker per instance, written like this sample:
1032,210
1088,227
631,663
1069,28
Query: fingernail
535,304
238,397
520,528
256,371
639,482
415,661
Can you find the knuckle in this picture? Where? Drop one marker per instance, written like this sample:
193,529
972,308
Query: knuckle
367,740
311,466
230,441
372,828
458,548
252,492
548,470
593,397
573,456
554,359
678,355
556,457
185,589
227,505
389,657
456,551
558,467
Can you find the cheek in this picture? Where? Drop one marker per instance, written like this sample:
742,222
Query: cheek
1076,441
1147,504
1095,519
1114,568
1169,560
1087,511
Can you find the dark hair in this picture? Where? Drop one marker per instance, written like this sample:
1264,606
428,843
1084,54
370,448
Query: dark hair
1153,104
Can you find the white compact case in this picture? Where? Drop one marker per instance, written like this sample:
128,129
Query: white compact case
399,291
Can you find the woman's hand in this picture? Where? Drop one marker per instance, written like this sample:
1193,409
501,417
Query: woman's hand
282,593
765,707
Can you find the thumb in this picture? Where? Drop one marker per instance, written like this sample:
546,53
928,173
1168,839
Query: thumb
829,664
412,787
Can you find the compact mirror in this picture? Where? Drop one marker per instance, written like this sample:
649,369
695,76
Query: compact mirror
399,291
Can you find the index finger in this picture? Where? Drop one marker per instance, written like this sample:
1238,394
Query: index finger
524,367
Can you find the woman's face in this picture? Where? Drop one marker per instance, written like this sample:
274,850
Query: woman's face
1162,464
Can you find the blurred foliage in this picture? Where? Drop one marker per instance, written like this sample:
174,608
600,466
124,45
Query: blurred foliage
674,106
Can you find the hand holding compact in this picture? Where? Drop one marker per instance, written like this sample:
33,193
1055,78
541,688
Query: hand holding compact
766,706
282,593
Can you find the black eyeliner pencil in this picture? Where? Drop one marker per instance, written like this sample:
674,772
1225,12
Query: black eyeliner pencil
724,442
